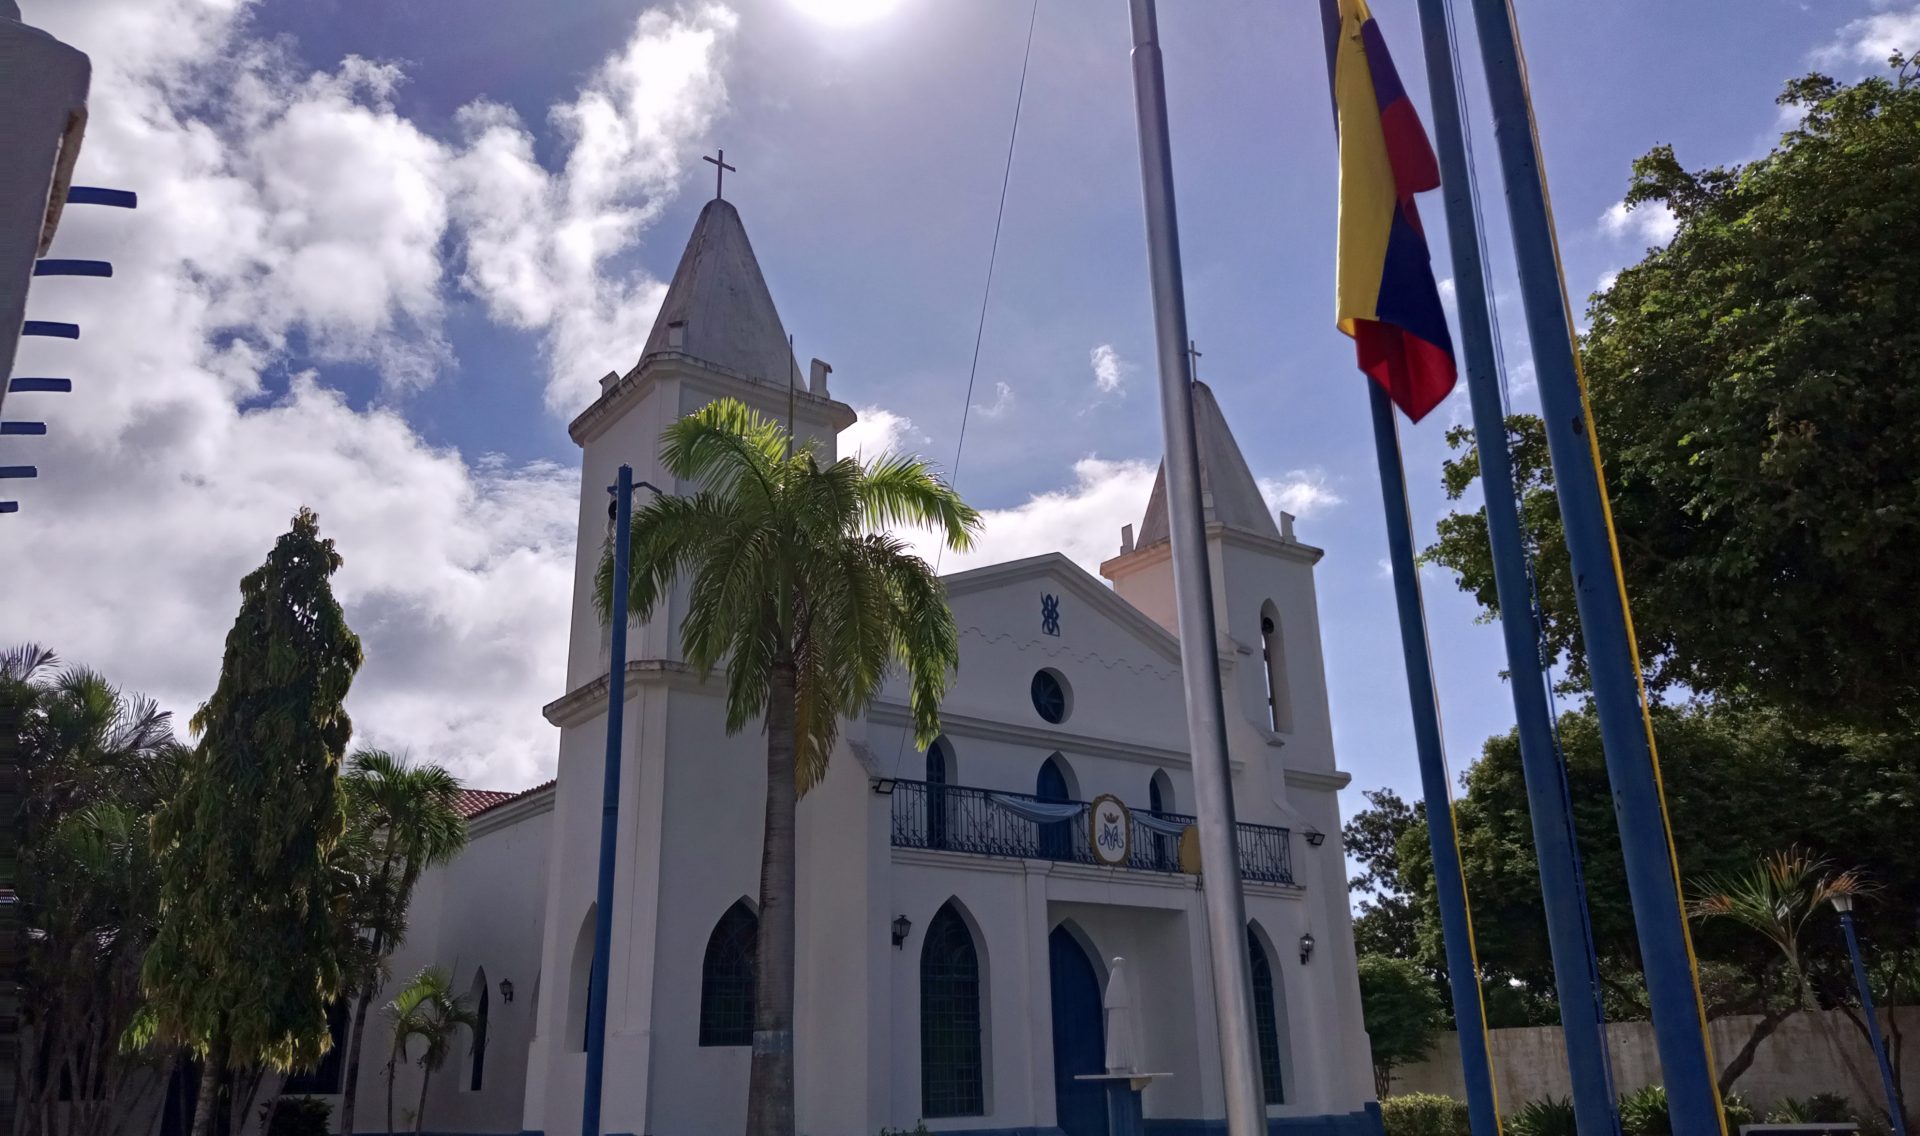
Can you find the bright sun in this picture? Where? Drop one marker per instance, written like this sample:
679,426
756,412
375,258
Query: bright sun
846,13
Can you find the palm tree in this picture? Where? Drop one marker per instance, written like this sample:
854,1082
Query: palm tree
797,586
402,821
1775,898
426,1009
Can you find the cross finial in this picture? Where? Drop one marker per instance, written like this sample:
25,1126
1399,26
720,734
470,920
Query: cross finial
1194,351
719,172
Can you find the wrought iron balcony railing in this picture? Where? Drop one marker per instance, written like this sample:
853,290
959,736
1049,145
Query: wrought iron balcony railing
958,818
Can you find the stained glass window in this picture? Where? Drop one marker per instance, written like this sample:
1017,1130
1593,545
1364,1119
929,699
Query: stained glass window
726,979
952,1079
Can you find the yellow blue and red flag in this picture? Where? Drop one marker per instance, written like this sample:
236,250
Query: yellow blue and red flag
1385,294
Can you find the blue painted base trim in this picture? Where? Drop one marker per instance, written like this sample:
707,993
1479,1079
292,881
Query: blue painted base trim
1000,1131
1363,1123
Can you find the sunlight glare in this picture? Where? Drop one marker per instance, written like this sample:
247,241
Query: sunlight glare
846,13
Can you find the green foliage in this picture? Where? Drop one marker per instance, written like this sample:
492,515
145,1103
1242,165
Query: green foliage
427,1011
296,1116
1424,1114
93,765
919,1129
249,949
1737,1111
1774,898
1643,1112
1388,922
1548,1116
1401,1011
1755,387
1820,1108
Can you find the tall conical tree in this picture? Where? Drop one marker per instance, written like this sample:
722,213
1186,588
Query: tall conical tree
246,958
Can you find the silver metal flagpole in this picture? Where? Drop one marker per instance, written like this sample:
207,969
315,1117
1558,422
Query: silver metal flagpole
1193,592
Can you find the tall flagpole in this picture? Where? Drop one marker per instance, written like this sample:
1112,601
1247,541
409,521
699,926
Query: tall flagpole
1576,971
1653,884
1193,592
1449,879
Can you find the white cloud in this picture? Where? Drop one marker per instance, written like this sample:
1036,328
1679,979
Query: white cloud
1081,520
281,206
1871,39
1652,223
878,431
1002,402
1301,492
1606,280
1109,370
1449,295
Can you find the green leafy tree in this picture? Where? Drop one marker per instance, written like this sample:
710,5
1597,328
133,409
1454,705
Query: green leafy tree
247,955
404,820
1402,1014
800,590
1389,919
1755,386
93,765
426,1010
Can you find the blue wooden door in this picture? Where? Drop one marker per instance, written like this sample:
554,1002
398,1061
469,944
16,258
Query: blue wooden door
1079,1038
1056,837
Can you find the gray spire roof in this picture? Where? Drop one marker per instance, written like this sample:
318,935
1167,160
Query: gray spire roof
718,308
1227,487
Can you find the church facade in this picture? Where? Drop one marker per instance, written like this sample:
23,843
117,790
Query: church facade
955,923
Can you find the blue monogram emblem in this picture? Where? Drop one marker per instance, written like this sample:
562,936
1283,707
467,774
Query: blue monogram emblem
1050,615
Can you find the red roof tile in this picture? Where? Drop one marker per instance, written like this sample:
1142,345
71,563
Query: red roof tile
473,802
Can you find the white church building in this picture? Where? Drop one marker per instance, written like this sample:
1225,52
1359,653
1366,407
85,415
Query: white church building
952,940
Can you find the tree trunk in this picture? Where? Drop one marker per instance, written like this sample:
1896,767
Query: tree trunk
420,1114
203,1106
1743,1060
392,1068
356,1036
770,1081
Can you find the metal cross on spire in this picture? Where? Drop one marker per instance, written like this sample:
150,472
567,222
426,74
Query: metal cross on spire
720,172
1194,351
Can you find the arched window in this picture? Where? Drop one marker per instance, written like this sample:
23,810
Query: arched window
952,1074
1273,654
939,776
726,978
1166,852
1054,786
580,982
1266,1019
477,1072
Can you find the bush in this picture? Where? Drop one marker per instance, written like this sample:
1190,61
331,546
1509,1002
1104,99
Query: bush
1738,1111
296,1116
1424,1114
1643,1112
1820,1108
1548,1116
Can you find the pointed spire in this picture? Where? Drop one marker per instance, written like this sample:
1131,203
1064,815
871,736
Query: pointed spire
718,309
1227,488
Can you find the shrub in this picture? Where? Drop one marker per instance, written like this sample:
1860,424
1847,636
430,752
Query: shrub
1548,1116
297,1116
1820,1108
1424,1114
1738,1111
1643,1112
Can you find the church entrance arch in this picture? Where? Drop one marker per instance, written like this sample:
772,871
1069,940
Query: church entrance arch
1079,1037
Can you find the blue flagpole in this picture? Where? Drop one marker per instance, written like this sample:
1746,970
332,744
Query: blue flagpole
609,812
1449,882
1679,1019
1576,972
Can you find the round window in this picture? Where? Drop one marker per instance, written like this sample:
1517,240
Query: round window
1050,696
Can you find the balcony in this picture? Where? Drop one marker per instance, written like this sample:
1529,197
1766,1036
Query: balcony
956,818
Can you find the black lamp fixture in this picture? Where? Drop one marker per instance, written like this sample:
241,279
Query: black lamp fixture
1306,947
901,925
1315,838
883,786
506,990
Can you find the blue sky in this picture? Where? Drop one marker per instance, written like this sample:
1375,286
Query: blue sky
375,270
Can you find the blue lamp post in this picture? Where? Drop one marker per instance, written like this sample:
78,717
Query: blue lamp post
621,514
1844,905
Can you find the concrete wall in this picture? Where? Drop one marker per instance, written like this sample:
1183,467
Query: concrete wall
1809,1053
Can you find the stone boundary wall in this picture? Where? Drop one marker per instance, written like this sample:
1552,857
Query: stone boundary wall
1809,1053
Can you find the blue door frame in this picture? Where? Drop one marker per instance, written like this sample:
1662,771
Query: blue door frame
1079,1037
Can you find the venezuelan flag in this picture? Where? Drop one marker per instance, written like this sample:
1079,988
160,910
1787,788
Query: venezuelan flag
1385,294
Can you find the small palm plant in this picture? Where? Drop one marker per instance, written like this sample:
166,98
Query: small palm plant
1775,898
427,1009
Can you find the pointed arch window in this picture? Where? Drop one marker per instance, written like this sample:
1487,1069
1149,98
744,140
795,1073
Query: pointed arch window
939,776
727,978
580,982
1054,786
1273,656
1266,1019
1160,801
952,1074
477,1071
